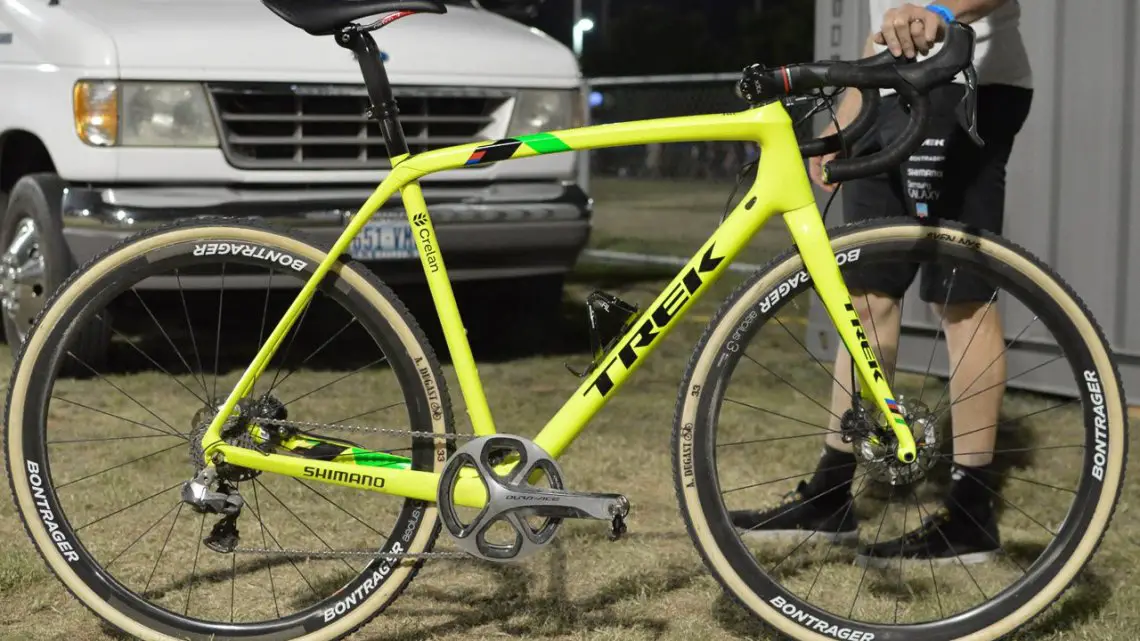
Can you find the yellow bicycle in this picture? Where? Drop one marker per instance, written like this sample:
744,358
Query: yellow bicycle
137,550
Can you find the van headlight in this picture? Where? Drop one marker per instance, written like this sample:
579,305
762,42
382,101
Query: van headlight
545,110
143,114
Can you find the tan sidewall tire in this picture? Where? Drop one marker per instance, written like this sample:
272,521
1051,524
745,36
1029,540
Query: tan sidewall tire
91,276
747,298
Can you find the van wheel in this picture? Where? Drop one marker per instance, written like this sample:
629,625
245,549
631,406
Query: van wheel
34,261
516,317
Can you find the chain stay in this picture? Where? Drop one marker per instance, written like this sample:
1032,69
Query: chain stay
308,425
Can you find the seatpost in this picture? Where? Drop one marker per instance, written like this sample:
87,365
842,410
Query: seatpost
383,109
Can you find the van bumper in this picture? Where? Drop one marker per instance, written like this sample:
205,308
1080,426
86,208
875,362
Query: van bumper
502,230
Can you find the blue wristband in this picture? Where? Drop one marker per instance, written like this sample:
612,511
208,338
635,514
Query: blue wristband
946,14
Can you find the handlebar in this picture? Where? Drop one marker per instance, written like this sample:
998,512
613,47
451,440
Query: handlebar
912,80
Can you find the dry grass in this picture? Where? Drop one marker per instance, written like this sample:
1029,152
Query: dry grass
650,585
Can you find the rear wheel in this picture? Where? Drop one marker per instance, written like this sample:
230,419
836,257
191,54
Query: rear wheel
96,464
754,410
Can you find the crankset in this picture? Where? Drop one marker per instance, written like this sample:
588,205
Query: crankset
508,467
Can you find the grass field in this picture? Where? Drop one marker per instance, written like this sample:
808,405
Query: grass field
650,585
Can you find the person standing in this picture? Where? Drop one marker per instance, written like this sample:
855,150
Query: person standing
948,177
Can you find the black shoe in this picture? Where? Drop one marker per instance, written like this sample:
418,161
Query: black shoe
946,536
826,517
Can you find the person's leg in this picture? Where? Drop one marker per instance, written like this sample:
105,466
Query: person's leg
818,505
972,191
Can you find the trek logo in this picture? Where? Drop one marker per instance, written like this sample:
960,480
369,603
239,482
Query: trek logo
419,219
344,478
656,320
861,336
1100,421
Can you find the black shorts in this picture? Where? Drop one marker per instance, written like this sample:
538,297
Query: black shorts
948,177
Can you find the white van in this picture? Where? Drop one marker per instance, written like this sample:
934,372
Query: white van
117,115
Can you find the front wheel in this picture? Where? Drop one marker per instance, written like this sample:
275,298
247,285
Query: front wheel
893,554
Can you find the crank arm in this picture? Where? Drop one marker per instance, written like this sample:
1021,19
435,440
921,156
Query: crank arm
552,503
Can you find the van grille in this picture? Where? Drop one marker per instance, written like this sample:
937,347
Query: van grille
325,126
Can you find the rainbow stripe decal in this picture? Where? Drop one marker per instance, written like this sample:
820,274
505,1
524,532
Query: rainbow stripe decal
506,148
894,407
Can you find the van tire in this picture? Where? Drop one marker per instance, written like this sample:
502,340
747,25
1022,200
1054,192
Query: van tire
38,198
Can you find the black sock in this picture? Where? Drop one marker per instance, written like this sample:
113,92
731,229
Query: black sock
972,489
833,475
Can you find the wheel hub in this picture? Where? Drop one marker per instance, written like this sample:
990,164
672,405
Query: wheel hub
240,429
876,446
23,287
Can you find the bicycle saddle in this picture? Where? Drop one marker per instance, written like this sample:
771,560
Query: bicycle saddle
324,17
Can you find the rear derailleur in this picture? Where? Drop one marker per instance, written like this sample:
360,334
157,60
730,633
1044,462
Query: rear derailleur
213,490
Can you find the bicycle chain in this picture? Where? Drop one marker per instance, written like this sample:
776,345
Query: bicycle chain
309,426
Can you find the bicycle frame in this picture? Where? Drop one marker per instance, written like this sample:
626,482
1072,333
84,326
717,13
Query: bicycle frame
781,187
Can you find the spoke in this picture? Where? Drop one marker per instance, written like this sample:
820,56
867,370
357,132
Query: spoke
338,506
190,326
165,542
121,391
773,438
862,577
108,438
1013,478
140,537
783,416
115,467
1013,420
874,331
169,341
124,509
845,507
218,336
378,409
813,356
929,558
233,580
786,478
121,418
1022,449
264,316
831,548
302,522
970,342
194,569
265,545
316,351
337,380
898,594
960,561
1003,352
963,510
938,334
785,382
266,530
939,415
289,347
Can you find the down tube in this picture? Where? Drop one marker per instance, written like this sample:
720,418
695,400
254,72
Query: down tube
658,319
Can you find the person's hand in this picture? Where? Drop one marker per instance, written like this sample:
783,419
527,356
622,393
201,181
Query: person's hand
910,30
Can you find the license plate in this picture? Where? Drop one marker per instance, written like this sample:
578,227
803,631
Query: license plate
384,239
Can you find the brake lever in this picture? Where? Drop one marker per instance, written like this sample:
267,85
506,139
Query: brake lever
968,108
